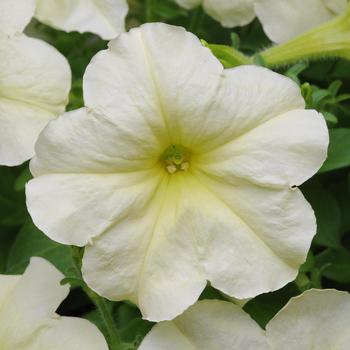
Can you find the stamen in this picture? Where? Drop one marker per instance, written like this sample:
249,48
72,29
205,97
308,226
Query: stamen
176,158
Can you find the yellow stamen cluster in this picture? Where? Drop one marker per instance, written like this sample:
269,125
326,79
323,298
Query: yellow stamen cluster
176,158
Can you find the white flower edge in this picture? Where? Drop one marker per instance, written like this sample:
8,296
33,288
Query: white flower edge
35,80
209,325
15,15
103,17
27,313
230,13
317,319
284,20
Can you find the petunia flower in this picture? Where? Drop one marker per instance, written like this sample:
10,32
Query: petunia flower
317,319
207,325
284,20
230,13
103,17
27,313
34,83
179,172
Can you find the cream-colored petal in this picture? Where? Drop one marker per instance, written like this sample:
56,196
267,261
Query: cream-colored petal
69,333
21,124
230,13
284,151
35,297
100,145
27,313
209,325
103,17
155,78
317,319
34,85
7,284
188,4
250,240
15,15
248,96
75,208
149,257
284,20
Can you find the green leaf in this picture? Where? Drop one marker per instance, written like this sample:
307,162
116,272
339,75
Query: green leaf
338,151
32,242
335,265
328,216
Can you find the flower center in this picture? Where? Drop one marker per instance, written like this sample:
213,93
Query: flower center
176,158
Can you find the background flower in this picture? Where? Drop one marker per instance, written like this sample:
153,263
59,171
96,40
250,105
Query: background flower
27,313
317,319
179,172
230,13
209,325
284,20
34,80
103,17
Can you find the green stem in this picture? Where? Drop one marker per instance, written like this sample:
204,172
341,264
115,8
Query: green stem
331,39
114,340
228,56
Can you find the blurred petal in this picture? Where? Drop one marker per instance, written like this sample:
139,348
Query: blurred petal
103,17
284,20
230,13
35,81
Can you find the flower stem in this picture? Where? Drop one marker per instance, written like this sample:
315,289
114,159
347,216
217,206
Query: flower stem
331,39
114,340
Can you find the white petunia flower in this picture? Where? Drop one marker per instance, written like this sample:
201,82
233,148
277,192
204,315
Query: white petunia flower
230,13
207,325
103,17
283,20
34,83
317,319
27,313
179,172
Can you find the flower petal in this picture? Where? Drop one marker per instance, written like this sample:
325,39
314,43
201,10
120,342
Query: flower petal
101,145
210,325
250,240
70,333
284,20
230,13
27,314
34,298
284,151
149,257
317,319
35,82
258,94
15,15
104,17
154,79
